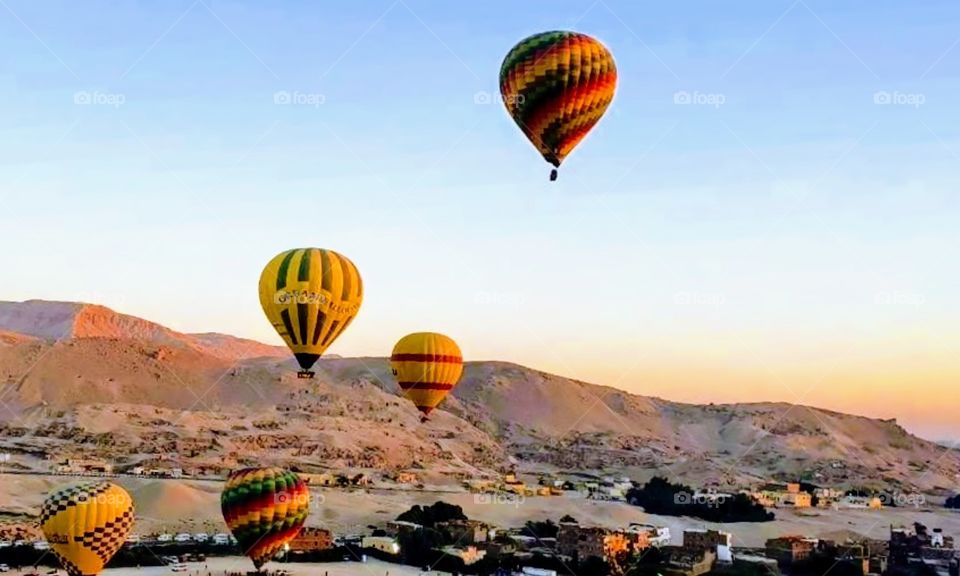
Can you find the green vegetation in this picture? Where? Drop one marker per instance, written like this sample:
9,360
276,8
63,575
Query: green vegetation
430,516
660,496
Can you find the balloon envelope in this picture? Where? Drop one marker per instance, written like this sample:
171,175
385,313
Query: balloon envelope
264,508
310,296
85,525
556,87
427,366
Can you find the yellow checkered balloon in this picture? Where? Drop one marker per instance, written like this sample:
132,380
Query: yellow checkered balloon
85,525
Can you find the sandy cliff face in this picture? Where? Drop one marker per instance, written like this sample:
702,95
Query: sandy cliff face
13,338
141,393
47,320
76,321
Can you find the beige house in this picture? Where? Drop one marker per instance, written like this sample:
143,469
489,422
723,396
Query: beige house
85,466
782,496
323,479
384,544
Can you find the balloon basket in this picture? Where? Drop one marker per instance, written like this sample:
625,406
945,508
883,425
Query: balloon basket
553,175
424,419
305,375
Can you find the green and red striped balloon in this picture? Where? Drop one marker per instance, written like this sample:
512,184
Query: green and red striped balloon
556,86
264,508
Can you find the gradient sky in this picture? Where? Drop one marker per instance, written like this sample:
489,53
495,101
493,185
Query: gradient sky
795,242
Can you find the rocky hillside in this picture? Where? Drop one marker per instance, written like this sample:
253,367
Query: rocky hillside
75,321
82,380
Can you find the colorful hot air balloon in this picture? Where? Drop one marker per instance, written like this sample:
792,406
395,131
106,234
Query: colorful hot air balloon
556,86
427,366
86,525
310,295
264,508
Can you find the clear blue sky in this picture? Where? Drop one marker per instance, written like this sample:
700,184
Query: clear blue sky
796,242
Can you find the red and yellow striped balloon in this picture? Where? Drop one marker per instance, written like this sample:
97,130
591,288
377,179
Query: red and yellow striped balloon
556,86
427,366
264,508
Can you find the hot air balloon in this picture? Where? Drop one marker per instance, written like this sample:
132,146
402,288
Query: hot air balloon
310,295
264,508
85,525
556,86
427,366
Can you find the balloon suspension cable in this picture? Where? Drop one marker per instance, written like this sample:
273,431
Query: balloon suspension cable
305,375
553,175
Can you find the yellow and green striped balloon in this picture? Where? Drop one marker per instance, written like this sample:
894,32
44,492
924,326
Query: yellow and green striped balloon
556,86
310,296
427,366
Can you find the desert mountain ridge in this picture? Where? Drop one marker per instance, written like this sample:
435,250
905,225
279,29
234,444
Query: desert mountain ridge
79,380
49,320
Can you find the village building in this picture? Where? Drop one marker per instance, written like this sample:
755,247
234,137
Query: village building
684,561
788,550
850,502
768,565
398,527
385,544
467,531
655,535
853,554
85,466
795,497
765,497
324,479
311,539
581,542
613,488
828,497
497,549
717,542
789,495
921,550
513,484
